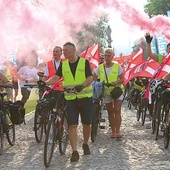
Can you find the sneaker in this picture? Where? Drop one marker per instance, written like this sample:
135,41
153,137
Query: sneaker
75,156
86,149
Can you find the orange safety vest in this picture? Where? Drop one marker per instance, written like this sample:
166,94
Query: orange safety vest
51,68
14,72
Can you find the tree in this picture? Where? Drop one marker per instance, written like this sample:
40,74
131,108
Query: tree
90,34
157,7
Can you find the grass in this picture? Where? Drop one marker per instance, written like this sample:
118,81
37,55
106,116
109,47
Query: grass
31,102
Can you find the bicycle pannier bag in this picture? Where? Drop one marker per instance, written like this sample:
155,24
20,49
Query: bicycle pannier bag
116,93
17,113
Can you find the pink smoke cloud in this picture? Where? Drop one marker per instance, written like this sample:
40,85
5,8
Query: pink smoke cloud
35,24
157,25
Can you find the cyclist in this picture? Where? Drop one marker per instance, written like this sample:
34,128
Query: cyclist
114,73
77,74
139,84
53,64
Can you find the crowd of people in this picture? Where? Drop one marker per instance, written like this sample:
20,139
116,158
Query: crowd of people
76,74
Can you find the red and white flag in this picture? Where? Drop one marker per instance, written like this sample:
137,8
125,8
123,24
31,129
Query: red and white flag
92,54
145,69
136,59
164,67
162,70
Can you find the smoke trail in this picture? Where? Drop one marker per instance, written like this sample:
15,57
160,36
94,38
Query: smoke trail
33,24
157,25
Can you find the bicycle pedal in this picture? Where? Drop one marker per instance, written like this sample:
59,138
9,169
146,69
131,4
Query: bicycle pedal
102,127
102,120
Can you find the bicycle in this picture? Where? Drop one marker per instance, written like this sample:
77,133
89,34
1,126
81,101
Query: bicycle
6,126
41,112
57,129
97,110
166,121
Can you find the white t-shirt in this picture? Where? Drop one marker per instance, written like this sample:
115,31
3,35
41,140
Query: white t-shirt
27,74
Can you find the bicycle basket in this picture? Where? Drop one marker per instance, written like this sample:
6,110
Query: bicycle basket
17,113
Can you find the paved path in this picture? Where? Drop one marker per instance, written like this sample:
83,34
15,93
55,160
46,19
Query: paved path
137,150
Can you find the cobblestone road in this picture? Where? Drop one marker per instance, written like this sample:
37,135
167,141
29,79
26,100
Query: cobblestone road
137,150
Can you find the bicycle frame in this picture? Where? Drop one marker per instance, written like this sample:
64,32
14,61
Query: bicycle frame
3,124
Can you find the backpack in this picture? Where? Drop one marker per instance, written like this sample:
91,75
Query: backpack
17,112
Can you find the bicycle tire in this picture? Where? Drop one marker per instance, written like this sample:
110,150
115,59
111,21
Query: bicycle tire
10,134
1,138
38,124
129,104
144,110
95,122
50,139
138,113
166,136
63,136
158,119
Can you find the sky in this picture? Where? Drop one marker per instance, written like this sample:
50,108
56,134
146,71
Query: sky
123,35
42,24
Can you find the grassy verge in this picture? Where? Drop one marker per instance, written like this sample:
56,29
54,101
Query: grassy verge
31,102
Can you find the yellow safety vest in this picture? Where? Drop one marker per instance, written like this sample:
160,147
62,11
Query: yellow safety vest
112,76
71,82
8,74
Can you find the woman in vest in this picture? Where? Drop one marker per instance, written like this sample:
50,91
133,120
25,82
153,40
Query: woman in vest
111,73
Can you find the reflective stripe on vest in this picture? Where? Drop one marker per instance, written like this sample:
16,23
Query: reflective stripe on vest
51,68
71,82
112,76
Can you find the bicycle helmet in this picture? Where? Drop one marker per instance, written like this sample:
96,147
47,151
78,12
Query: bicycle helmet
154,84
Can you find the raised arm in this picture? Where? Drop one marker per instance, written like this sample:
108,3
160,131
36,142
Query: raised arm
148,47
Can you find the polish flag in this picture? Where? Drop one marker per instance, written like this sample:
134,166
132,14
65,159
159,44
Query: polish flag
92,54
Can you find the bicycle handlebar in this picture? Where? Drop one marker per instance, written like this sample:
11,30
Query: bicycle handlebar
6,86
69,90
30,85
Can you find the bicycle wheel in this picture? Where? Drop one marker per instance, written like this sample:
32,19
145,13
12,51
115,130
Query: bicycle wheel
50,139
166,136
158,119
138,113
1,137
129,103
63,135
10,134
46,115
144,110
95,122
38,124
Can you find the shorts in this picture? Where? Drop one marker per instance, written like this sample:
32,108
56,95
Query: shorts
79,106
109,99
15,85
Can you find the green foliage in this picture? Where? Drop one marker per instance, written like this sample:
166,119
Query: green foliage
157,7
92,33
